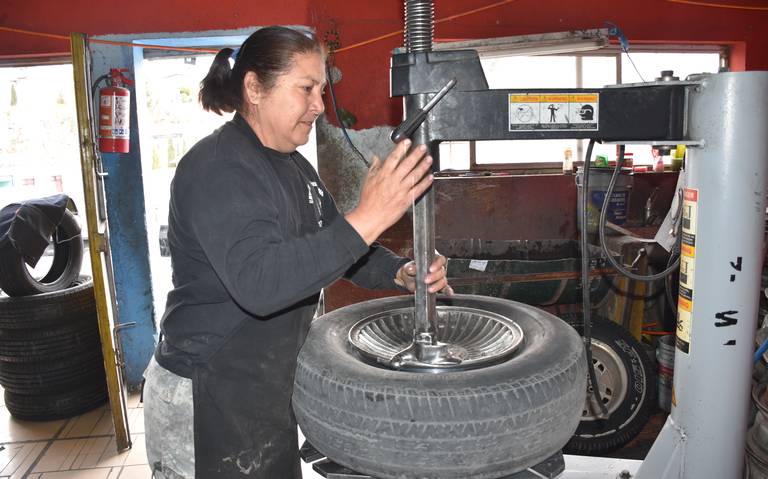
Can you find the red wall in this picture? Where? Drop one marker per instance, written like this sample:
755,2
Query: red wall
366,68
364,89
135,16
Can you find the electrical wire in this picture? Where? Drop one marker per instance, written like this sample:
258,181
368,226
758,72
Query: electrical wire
719,5
656,333
603,220
206,50
760,351
668,285
338,117
441,20
626,52
585,299
108,42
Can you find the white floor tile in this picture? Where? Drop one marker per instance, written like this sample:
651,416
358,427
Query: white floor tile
111,457
134,400
136,420
16,459
86,424
136,472
101,473
14,430
61,455
91,453
138,453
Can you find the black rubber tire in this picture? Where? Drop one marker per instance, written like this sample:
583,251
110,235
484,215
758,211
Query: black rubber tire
599,436
48,349
484,423
52,382
54,309
56,406
15,278
70,362
76,325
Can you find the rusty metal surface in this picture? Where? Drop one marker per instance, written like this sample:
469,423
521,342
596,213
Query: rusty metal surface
531,277
506,207
534,215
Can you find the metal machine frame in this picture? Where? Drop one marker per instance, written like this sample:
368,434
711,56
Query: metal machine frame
723,118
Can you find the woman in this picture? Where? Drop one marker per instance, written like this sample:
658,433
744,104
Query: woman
254,236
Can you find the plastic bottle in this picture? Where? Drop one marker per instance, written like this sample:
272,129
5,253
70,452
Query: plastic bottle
568,162
659,165
678,154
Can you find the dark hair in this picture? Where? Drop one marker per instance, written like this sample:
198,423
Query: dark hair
268,52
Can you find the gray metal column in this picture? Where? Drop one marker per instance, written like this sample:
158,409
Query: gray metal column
418,34
425,312
724,216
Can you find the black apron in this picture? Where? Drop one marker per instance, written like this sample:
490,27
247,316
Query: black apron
243,421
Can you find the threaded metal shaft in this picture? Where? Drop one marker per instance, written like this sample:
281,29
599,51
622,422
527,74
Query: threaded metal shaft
419,25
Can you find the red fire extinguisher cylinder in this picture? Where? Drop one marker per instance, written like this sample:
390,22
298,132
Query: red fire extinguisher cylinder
114,119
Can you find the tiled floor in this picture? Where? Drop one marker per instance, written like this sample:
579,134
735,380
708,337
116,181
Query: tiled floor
82,447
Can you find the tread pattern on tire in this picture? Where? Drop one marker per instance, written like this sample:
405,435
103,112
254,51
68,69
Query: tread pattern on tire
604,436
49,309
56,406
477,424
51,364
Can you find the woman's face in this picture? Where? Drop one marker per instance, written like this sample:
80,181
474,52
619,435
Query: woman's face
283,116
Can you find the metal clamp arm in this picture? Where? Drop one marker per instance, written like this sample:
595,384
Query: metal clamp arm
406,128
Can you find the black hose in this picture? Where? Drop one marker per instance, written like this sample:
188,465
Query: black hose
603,215
668,285
586,305
338,117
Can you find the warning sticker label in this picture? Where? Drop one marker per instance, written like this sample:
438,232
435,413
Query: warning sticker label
687,274
687,269
554,111
690,218
683,341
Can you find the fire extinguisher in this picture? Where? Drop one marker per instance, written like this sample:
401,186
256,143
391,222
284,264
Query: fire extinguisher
114,109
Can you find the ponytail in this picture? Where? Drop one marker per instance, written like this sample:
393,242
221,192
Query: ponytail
216,90
269,52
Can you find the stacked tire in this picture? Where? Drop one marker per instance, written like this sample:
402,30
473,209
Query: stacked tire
51,366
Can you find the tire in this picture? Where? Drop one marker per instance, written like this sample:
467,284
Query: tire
76,325
627,386
54,367
54,309
56,406
483,423
50,348
15,278
52,382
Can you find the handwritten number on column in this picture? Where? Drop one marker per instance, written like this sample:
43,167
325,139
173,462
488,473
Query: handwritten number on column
725,320
736,266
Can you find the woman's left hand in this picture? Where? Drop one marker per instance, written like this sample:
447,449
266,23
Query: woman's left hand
436,279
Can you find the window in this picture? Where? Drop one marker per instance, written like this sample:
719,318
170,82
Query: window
39,145
593,69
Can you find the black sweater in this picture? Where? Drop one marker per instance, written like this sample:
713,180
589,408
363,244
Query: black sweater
254,236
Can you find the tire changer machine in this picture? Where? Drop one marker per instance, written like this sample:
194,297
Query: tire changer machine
723,120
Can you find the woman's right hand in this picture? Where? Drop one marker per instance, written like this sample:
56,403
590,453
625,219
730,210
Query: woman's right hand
390,187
